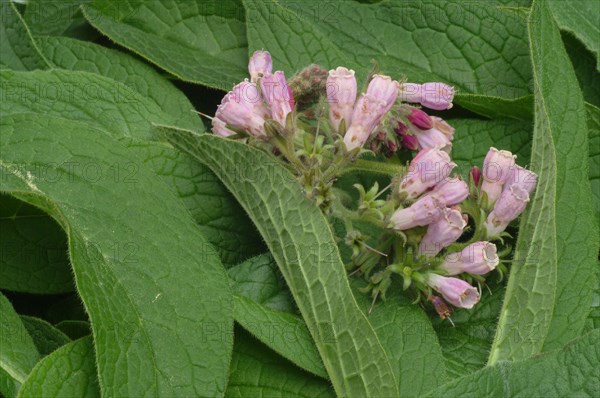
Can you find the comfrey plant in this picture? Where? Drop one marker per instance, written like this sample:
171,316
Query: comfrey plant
429,228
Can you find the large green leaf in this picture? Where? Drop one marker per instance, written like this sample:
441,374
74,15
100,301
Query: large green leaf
157,295
593,114
197,41
301,242
570,372
409,340
70,371
18,354
582,18
45,336
549,290
62,17
78,55
33,250
17,48
257,371
584,64
478,47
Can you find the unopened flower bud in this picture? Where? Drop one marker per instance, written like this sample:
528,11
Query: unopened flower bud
478,258
420,119
496,170
475,175
455,291
385,89
442,232
423,212
277,96
427,169
524,178
410,142
443,310
401,129
452,190
509,206
367,114
341,95
260,64
242,108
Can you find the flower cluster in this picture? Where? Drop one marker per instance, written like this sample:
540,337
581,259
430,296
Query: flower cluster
436,231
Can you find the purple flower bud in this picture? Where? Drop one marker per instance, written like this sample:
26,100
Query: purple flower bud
496,170
341,95
509,206
277,95
455,291
452,190
437,96
524,178
410,142
427,169
423,212
442,232
420,119
367,114
478,258
476,175
384,89
242,108
401,129
220,129
411,92
260,64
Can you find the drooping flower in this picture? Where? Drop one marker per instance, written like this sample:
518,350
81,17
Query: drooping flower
341,95
478,258
442,232
496,170
385,89
277,95
509,206
524,178
242,108
452,190
440,134
427,169
456,291
219,128
260,65
423,212
367,114
434,95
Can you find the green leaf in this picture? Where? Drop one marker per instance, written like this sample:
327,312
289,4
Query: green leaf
582,18
158,297
82,96
74,329
18,355
62,17
33,250
550,286
70,308
584,64
17,48
78,55
70,371
478,47
301,242
495,107
570,372
259,279
257,371
45,336
283,332
409,340
196,41
593,122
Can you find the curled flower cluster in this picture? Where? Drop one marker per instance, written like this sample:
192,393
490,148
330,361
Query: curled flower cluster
437,231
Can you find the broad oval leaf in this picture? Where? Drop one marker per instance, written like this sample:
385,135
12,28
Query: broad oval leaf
158,297
70,371
46,337
302,243
552,277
